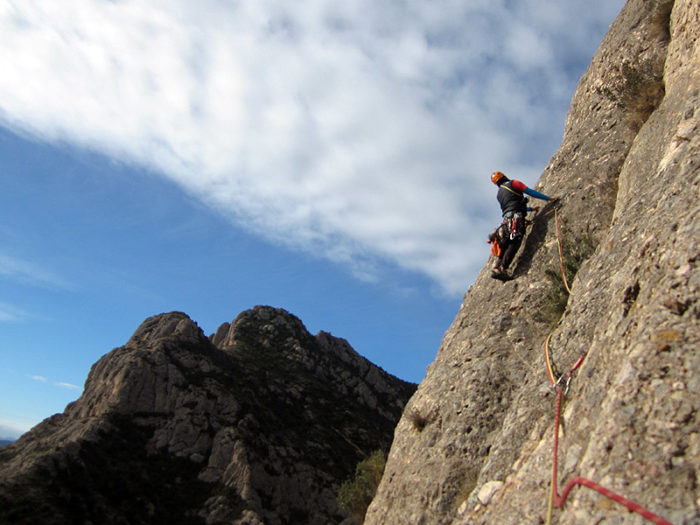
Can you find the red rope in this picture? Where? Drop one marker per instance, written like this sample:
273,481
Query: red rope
559,500
644,513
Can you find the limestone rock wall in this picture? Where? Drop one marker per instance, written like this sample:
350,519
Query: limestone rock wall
474,445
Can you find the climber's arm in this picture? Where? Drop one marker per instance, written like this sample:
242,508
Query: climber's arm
519,186
536,194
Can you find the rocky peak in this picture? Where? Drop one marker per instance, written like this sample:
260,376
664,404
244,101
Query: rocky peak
161,327
277,326
278,335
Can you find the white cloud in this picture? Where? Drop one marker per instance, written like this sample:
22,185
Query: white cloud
29,273
364,131
60,384
68,386
12,314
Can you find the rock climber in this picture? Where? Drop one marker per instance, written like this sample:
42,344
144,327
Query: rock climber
509,235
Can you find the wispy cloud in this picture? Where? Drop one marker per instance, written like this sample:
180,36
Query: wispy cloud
12,314
68,386
364,131
29,273
60,384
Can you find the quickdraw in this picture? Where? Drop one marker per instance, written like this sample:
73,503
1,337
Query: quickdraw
556,377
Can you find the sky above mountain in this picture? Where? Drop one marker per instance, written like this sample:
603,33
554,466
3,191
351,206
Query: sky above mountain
329,159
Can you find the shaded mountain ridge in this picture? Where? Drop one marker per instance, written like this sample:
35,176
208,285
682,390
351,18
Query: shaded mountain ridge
259,423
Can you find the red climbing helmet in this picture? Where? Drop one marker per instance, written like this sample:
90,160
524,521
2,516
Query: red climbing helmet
497,176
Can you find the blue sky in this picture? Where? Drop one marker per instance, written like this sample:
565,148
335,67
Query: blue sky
206,157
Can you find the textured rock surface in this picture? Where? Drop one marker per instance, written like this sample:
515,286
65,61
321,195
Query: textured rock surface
260,423
629,171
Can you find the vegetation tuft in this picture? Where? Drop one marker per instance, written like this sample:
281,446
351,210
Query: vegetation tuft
574,253
418,420
356,494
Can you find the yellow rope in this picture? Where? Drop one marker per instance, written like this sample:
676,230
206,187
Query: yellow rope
561,252
550,372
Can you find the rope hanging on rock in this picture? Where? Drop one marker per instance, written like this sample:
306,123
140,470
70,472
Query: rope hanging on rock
555,499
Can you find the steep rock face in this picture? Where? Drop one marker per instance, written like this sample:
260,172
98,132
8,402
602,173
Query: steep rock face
260,423
475,443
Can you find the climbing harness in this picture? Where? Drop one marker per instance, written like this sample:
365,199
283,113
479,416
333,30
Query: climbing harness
514,225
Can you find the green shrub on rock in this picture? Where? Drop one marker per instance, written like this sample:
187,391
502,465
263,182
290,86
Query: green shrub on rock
356,494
